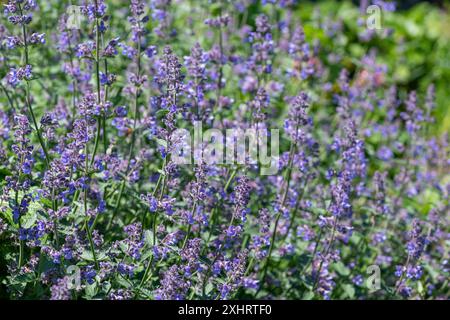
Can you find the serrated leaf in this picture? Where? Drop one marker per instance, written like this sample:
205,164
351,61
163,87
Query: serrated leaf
349,290
87,255
123,282
29,220
209,287
309,295
91,290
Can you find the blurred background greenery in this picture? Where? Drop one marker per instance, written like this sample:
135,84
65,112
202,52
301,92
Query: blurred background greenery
418,51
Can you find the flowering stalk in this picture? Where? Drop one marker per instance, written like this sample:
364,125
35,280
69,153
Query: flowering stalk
27,91
137,11
297,118
327,251
97,74
86,225
137,224
278,216
29,106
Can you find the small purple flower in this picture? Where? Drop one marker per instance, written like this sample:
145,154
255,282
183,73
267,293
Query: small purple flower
16,75
128,51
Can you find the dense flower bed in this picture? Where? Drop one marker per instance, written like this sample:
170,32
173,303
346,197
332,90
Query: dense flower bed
95,204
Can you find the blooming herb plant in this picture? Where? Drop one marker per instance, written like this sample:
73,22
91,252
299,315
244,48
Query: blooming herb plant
94,205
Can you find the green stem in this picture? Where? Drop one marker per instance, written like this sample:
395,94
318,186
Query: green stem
105,98
116,209
233,174
316,246
88,232
133,133
297,206
208,272
97,139
397,286
36,127
333,233
155,220
27,95
8,96
21,249
277,219
147,271
55,220
97,69
189,227
214,210
21,245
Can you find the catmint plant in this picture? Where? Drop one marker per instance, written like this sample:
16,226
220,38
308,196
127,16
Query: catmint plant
132,144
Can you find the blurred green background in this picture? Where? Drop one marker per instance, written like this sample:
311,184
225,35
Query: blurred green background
417,53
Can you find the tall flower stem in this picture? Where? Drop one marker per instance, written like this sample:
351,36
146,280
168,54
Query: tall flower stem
105,141
399,282
217,105
297,206
86,225
133,133
35,123
215,209
36,127
189,227
277,219
145,276
230,179
97,72
155,220
327,250
27,94
74,81
21,249
316,247
21,242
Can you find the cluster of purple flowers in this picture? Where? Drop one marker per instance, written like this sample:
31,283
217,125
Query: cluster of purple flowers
89,179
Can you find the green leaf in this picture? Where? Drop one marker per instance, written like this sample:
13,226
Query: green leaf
161,113
148,236
91,290
123,247
209,287
123,282
419,287
309,295
4,173
146,255
341,269
88,256
30,218
349,290
161,142
7,214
